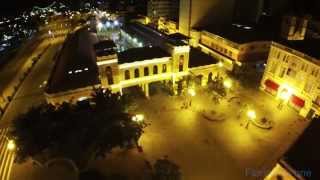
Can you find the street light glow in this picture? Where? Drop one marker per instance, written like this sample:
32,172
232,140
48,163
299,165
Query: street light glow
220,64
138,118
192,92
251,114
286,93
227,83
100,25
11,145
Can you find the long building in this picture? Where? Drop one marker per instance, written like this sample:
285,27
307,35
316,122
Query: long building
293,69
81,68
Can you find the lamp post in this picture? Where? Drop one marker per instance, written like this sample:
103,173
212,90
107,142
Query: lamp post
192,93
11,145
251,117
138,118
284,96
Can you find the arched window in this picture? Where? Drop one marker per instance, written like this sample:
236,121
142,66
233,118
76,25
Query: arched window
155,69
181,61
127,75
146,71
136,73
164,68
210,77
109,75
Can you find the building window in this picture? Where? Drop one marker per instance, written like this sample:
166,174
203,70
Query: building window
316,73
109,75
278,56
136,73
181,61
291,73
146,71
273,67
308,86
282,72
164,68
230,53
127,75
155,69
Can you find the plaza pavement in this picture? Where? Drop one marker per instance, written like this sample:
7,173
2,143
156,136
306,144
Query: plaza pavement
221,149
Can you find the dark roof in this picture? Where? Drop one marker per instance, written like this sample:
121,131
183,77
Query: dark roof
310,47
304,154
178,36
77,54
152,35
267,29
198,58
105,47
140,54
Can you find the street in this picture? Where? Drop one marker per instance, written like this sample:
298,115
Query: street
6,156
30,93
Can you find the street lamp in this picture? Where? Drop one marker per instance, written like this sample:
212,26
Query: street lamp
11,145
251,117
138,118
227,83
220,64
192,92
284,96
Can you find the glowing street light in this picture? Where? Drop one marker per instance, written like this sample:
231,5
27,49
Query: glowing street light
227,83
100,25
285,94
192,92
116,23
138,118
251,117
11,145
220,64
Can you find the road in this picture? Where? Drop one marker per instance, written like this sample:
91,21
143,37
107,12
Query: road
6,156
30,93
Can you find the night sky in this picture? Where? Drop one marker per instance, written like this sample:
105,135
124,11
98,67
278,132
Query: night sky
16,6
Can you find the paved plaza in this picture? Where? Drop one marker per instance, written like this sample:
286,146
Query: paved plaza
218,147
207,140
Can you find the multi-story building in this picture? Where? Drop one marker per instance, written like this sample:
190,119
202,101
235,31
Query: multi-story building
84,65
168,9
199,13
236,44
292,72
292,76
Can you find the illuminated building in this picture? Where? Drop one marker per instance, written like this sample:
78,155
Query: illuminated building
84,65
235,44
168,9
292,72
199,13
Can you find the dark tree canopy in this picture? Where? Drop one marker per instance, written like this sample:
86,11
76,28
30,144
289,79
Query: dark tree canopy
79,131
166,170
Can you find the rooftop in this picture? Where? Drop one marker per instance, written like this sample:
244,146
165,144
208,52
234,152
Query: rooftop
310,47
154,36
266,30
105,47
304,154
198,58
141,54
75,65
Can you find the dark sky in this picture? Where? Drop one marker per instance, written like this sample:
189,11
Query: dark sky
14,6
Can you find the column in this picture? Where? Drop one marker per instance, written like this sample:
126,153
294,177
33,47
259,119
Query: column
146,90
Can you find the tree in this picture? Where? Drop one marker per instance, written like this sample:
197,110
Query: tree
80,132
166,170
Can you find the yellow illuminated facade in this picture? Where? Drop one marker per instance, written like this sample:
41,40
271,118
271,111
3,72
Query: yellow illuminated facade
293,77
231,53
